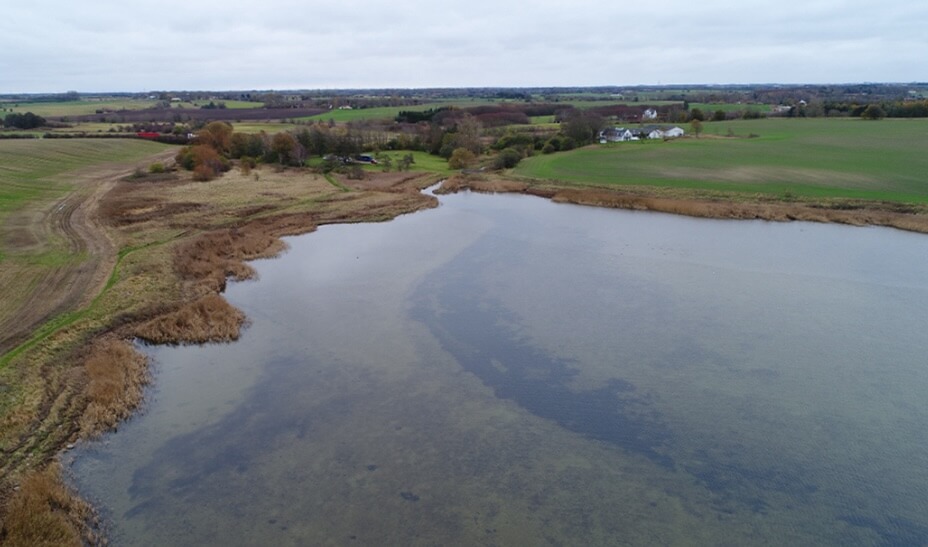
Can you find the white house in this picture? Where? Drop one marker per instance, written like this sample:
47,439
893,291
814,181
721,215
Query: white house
621,134
672,133
649,114
616,134
625,135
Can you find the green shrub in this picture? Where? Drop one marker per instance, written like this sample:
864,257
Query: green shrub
507,159
461,158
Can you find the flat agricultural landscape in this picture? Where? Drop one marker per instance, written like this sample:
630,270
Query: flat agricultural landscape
99,248
786,158
85,107
51,246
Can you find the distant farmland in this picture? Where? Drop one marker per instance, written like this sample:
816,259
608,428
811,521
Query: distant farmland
57,109
33,169
816,158
198,114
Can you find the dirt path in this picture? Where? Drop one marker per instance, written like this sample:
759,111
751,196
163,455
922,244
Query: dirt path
73,284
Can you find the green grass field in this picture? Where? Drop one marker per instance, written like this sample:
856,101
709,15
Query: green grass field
75,108
35,168
815,158
90,106
423,162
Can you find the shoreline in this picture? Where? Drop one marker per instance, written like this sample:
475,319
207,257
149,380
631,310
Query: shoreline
82,379
723,207
107,376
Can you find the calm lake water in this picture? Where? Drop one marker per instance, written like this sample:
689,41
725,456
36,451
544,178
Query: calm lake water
503,370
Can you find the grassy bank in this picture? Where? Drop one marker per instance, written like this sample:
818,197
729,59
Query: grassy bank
807,158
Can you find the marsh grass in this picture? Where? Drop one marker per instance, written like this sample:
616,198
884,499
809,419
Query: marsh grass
837,212
44,512
116,375
213,257
707,205
209,319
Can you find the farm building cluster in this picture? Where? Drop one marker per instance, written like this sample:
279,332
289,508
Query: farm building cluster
622,134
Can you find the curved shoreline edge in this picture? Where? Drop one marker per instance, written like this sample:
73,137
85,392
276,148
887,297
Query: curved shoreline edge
107,383
720,206
84,377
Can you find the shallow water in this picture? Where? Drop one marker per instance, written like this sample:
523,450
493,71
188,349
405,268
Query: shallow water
507,371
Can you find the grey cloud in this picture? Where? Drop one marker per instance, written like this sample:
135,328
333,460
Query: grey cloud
117,45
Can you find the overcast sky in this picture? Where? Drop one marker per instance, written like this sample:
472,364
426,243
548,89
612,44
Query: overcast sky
143,45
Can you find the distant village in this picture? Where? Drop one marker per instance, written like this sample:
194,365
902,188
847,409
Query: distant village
622,134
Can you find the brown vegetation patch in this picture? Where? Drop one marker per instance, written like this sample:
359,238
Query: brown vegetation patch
136,211
208,319
211,258
116,375
44,512
852,212
397,181
859,214
481,184
130,203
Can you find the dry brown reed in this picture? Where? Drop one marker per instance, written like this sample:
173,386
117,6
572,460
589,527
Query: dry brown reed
44,512
215,256
479,183
842,211
875,214
208,319
116,375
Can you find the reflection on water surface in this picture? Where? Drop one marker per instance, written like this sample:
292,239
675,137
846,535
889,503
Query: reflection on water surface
504,370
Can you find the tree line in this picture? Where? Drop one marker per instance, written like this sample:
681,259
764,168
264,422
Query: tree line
24,121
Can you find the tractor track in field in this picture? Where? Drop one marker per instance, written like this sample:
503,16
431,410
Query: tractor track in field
73,285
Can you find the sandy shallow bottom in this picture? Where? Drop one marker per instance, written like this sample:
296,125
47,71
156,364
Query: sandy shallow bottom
506,370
